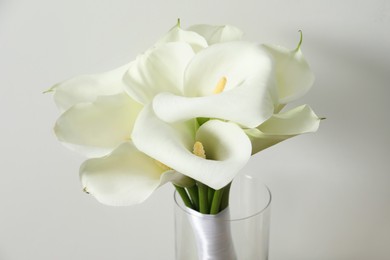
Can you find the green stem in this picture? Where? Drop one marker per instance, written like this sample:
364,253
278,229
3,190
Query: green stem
216,205
203,200
225,197
300,41
183,194
194,194
210,195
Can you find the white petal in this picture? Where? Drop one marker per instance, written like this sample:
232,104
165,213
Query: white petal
125,177
177,34
249,95
95,129
216,34
293,75
237,61
227,151
151,135
239,106
158,70
282,126
227,147
87,88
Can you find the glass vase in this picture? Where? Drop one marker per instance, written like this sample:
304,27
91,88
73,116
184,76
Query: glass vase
240,232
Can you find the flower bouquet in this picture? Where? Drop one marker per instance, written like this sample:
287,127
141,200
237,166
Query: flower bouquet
190,110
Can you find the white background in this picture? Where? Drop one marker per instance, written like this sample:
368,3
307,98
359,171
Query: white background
331,189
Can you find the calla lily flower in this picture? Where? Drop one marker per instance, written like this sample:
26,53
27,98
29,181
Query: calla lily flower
227,148
97,113
126,176
265,77
162,67
294,77
96,128
87,88
282,126
246,69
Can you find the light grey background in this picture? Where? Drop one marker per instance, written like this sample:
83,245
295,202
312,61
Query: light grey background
331,189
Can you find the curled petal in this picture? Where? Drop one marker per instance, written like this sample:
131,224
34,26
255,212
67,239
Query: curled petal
226,145
159,69
238,106
95,129
293,75
157,138
87,88
282,126
177,34
217,33
125,177
248,97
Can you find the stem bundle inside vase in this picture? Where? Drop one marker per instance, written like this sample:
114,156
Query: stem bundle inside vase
205,199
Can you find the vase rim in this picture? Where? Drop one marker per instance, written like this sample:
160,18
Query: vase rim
192,212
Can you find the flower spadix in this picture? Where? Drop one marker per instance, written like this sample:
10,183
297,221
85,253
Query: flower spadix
199,150
226,146
220,85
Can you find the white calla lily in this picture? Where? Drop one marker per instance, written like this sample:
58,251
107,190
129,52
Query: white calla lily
87,88
217,33
294,77
96,128
248,94
157,70
191,110
125,177
226,146
282,126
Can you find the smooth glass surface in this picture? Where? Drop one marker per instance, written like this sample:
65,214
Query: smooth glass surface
248,221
